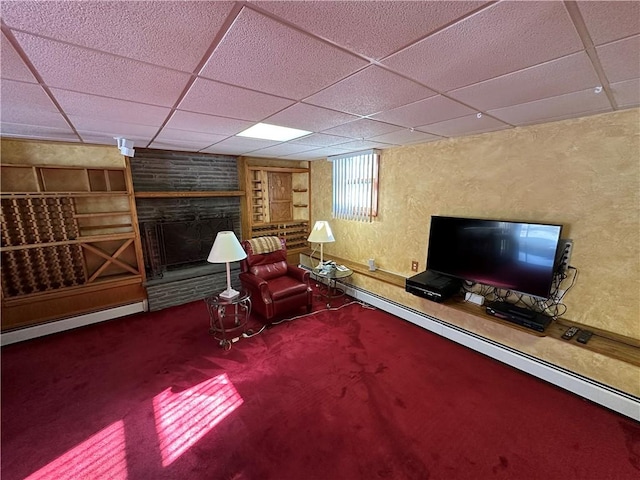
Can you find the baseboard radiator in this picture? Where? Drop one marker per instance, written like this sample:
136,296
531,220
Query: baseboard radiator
28,333
596,392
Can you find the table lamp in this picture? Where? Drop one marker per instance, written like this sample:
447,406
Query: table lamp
226,248
321,234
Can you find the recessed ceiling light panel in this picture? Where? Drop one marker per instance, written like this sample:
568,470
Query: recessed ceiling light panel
276,133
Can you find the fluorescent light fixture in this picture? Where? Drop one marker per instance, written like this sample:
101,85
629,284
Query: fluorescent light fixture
266,131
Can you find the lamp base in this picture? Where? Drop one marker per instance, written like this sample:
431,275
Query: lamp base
229,293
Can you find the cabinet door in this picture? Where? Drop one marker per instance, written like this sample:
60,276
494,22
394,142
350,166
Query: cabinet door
280,197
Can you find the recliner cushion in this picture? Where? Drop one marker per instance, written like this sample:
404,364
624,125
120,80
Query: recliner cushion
285,286
270,270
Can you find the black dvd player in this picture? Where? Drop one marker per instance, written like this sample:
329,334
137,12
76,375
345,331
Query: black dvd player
432,286
519,316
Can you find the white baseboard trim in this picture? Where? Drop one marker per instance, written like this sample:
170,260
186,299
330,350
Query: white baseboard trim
57,326
596,392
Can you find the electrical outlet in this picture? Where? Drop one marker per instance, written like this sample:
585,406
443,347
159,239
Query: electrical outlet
414,265
564,254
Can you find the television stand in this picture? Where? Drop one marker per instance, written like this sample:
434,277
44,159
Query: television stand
518,315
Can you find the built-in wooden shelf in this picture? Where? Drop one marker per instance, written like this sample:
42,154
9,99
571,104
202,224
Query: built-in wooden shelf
67,233
190,194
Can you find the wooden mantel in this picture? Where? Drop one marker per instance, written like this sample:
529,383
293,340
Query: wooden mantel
190,194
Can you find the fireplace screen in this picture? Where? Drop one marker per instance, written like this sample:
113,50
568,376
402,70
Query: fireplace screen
174,245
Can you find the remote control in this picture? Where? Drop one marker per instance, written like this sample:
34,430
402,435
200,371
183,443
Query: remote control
570,333
584,336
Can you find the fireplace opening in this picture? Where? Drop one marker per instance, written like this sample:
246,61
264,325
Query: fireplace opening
175,245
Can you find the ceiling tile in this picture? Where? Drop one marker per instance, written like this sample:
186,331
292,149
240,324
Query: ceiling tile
565,75
239,145
621,60
113,128
405,137
262,54
606,22
172,34
307,156
370,91
555,108
213,98
27,103
173,145
506,37
102,138
309,117
13,68
363,145
38,132
281,150
627,93
430,110
198,122
73,68
361,129
321,153
321,140
183,136
469,125
372,29
85,105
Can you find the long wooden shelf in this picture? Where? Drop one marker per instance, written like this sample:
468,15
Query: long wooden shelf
606,343
279,169
102,214
75,194
58,167
190,194
88,239
94,287
387,277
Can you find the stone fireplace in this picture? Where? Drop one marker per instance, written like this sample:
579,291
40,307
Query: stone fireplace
178,227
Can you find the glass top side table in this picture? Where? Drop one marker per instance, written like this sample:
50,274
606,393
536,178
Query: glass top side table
228,317
331,290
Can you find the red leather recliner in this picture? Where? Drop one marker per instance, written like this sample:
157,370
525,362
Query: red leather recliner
275,286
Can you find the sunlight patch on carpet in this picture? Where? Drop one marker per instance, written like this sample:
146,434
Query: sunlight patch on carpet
101,456
185,417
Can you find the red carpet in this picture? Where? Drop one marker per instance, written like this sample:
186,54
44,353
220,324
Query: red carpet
347,394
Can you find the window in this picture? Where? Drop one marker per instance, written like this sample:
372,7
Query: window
355,185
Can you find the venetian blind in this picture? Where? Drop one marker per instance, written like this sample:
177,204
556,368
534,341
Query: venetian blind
355,185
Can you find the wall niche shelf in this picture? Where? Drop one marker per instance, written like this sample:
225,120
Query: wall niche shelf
276,203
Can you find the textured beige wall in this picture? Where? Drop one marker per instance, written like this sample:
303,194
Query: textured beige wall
59,153
582,173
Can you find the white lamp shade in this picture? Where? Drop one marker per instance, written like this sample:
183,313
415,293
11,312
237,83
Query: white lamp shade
226,248
321,233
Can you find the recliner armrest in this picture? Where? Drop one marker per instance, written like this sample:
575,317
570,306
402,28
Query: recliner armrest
257,284
298,273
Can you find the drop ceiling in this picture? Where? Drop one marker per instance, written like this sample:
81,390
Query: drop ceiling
189,76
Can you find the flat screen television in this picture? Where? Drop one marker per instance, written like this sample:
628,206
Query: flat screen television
509,255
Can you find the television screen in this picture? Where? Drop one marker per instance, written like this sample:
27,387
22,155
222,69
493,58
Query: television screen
507,255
